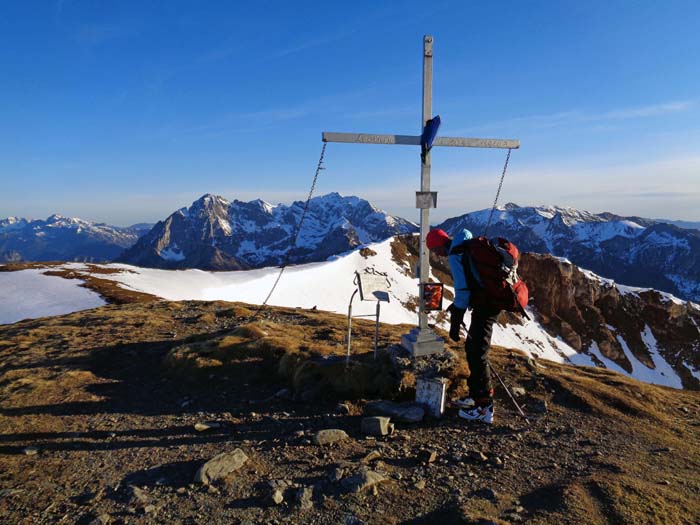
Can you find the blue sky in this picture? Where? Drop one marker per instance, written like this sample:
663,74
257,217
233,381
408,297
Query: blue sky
125,111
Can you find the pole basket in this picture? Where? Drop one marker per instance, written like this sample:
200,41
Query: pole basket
432,296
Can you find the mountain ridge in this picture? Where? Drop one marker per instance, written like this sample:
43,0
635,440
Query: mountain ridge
59,238
631,250
216,234
235,235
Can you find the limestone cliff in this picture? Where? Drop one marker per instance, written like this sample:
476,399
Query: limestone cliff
600,318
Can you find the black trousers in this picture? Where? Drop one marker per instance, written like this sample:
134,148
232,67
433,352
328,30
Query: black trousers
477,348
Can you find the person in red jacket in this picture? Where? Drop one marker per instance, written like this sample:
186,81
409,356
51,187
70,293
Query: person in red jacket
479,406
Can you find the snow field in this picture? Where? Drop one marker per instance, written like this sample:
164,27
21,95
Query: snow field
29,294
326,285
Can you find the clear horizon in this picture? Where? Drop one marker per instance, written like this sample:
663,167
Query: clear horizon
123,113
433,221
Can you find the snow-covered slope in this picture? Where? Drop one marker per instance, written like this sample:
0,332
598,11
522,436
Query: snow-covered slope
329,285
29,294
215,234
631,250
63,239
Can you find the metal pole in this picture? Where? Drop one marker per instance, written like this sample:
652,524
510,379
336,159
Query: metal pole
376,332
347,358
425,177
520,410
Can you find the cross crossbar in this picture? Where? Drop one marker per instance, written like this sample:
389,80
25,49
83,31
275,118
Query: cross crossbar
414,140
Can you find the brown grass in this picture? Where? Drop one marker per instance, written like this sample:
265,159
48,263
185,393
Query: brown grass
400,254
411,305
19,266
308,354
93,268
109,290
78,360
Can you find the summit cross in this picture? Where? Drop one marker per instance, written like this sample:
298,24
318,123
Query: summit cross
422,340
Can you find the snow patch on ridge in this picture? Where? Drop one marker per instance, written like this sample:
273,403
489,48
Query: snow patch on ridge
531,338
609,363
661,374
172,253
28,294
692,370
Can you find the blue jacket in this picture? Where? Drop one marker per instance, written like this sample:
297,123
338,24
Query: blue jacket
462,293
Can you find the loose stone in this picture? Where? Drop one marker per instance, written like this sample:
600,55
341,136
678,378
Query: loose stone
304,496
403,412
328,436
220,466
362,480
208,425
377,426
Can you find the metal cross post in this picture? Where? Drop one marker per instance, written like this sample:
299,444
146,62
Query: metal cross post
423,341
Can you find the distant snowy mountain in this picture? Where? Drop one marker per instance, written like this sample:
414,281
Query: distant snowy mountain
215,234
62,239
687,225
630,250
141,227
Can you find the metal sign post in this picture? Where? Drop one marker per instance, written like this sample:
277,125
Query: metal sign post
422,340
372,287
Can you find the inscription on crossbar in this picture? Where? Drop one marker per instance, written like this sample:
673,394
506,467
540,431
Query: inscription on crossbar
476,143
369,138
414,140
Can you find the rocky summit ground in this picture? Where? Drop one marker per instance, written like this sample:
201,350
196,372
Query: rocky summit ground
112,415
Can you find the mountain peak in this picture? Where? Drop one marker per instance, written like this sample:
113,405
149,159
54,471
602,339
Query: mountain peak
216,234
263,205
209,199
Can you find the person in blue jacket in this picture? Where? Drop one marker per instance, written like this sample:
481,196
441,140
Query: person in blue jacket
479,405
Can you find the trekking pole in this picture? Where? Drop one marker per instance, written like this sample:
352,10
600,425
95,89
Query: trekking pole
520,410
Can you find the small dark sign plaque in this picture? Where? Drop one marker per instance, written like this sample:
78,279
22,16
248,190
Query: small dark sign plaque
432,296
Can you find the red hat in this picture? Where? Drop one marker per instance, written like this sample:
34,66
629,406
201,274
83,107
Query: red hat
436,238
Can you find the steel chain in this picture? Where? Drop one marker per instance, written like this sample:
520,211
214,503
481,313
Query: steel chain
500,185
295,236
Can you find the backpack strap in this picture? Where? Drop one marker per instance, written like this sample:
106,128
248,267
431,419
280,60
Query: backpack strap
473,281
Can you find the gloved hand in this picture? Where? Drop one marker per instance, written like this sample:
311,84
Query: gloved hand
456,318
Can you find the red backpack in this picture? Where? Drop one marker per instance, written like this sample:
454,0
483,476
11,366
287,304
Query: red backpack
496,283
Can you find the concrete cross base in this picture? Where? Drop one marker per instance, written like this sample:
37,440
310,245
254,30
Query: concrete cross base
431,393
422,342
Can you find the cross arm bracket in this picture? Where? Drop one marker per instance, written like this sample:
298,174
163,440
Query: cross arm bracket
414,140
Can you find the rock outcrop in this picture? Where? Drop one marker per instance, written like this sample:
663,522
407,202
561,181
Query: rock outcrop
597,317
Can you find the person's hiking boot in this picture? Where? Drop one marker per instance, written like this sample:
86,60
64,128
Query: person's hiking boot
465,402
478,413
